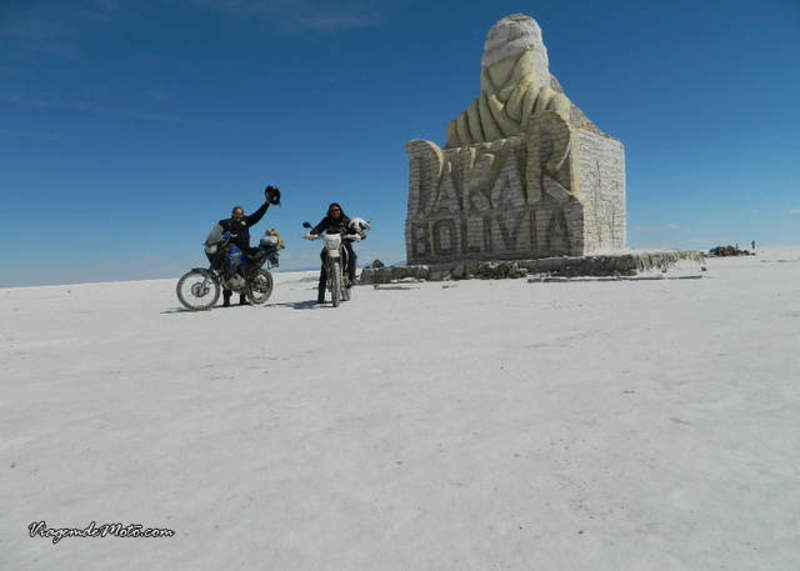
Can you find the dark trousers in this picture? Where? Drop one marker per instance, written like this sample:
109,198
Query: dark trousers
226,297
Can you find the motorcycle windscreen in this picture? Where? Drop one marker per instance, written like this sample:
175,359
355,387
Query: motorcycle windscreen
214,237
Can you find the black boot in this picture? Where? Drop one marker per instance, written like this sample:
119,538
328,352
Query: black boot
226,298
243,300
323,281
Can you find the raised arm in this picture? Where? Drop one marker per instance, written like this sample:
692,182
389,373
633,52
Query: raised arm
255,217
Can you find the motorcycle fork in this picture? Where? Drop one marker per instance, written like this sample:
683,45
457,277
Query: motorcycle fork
206,279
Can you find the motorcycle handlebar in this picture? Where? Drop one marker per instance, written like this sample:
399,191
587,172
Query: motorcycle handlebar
353,237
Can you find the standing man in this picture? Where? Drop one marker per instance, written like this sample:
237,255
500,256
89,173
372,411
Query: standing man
239,227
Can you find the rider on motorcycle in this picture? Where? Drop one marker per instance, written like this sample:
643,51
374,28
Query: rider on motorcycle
336,222
238,225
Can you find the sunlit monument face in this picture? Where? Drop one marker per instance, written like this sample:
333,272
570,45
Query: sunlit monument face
507,42
515,85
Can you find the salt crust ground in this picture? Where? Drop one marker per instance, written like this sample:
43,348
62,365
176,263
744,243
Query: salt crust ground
480,425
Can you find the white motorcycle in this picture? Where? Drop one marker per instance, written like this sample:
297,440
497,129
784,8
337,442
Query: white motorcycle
336,259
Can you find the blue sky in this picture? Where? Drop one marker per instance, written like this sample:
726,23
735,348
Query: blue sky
128,128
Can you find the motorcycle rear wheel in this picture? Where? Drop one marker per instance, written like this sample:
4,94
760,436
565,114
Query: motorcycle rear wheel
260,287
197,290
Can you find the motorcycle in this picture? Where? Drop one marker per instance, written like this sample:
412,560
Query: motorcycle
230,268
335,259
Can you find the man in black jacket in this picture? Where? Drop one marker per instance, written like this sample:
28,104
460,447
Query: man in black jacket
239,227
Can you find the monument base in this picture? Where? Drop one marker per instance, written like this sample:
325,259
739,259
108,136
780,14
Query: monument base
618,264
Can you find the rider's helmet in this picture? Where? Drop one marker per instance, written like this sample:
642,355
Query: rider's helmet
272,194
358,224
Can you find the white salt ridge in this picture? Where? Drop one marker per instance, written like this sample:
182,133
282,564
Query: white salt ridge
492,425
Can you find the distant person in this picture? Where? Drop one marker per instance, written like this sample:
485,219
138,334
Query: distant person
753,245
335,222
239,227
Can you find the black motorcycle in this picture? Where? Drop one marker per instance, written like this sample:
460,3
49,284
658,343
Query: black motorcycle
232,269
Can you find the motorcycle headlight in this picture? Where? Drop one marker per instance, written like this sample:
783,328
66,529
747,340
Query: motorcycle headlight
332,241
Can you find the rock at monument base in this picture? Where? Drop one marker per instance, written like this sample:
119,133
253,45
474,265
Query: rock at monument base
605,265
500,270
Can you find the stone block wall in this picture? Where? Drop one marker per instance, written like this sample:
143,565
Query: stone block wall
602,172
555,190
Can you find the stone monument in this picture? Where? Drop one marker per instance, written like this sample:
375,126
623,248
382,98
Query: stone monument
524,173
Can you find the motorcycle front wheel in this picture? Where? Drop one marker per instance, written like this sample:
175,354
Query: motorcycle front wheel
197,290
336,286
260,287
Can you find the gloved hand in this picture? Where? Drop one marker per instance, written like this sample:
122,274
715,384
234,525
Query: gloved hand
272,194
308,236
353,237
